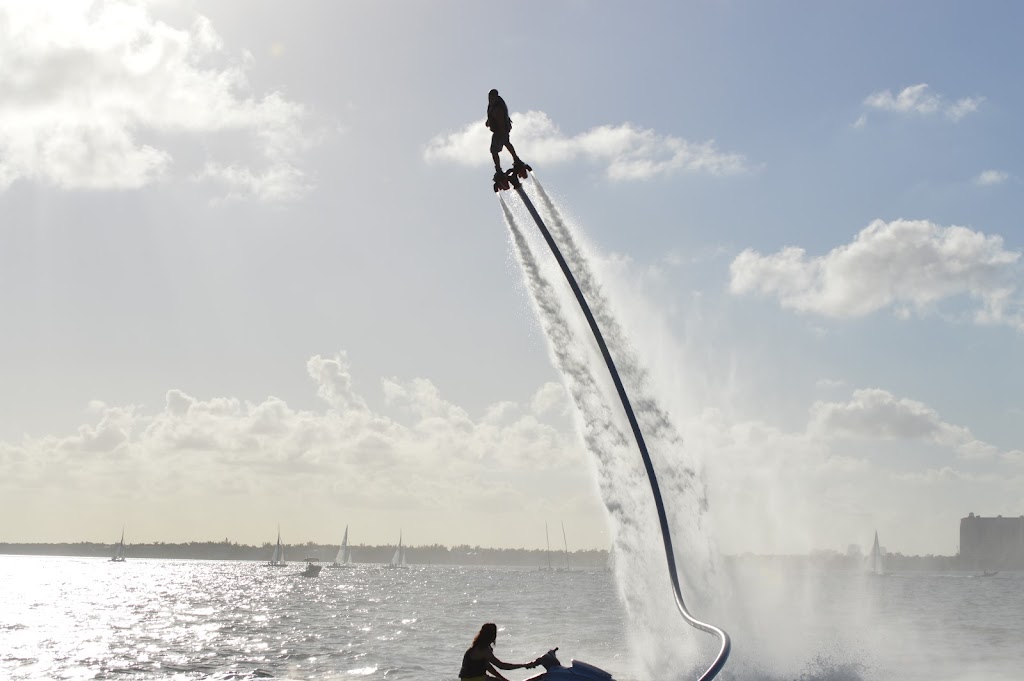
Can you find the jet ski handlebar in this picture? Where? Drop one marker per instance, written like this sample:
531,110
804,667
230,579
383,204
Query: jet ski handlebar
548,659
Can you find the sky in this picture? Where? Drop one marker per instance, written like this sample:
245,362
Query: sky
253,275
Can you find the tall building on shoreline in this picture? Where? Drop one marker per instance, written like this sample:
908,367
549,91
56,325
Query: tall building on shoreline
992,542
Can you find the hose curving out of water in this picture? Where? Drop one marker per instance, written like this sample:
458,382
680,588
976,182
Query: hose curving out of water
726,645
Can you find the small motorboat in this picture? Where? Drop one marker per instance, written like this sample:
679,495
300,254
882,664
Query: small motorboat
313,568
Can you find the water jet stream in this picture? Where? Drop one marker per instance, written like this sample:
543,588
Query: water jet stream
652,478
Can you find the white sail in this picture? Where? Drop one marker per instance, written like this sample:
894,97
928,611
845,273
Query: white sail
547,538
398,560
277,560
876,566
565,543
119,550
343,557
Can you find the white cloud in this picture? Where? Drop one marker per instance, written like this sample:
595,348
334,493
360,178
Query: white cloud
900,264
964,106
771,490
917,99
878,414
872,460
626,152
281,181
191,446
991,177
914,99
551,398
934,476
97,92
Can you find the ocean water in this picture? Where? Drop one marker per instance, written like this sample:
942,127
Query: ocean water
88,618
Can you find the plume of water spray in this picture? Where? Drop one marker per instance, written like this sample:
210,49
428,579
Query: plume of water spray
622,481
680,474
655,628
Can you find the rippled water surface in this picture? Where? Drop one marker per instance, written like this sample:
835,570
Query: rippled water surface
88,618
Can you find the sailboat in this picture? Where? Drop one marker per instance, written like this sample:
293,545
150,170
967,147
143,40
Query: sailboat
398,560
277,560
119,550
344,557
566,545
547,538
875,566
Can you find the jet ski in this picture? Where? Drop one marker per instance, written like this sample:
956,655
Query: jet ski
576,671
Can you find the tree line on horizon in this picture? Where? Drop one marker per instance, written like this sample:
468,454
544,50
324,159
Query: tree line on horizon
435,554
438,554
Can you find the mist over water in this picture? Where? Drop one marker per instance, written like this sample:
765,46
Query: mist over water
639,558
786,622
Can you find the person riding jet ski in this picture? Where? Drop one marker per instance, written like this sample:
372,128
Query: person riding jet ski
479,662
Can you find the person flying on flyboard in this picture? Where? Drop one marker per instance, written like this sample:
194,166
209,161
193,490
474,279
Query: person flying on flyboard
501,125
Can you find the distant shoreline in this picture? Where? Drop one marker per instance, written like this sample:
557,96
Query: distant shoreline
473,555
425,555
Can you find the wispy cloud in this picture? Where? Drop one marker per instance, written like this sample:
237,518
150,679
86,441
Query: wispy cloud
919,100
991,177
625,151
95,93
905,265
280,181
913,99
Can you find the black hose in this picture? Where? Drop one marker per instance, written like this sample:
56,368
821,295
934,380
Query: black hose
723,653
